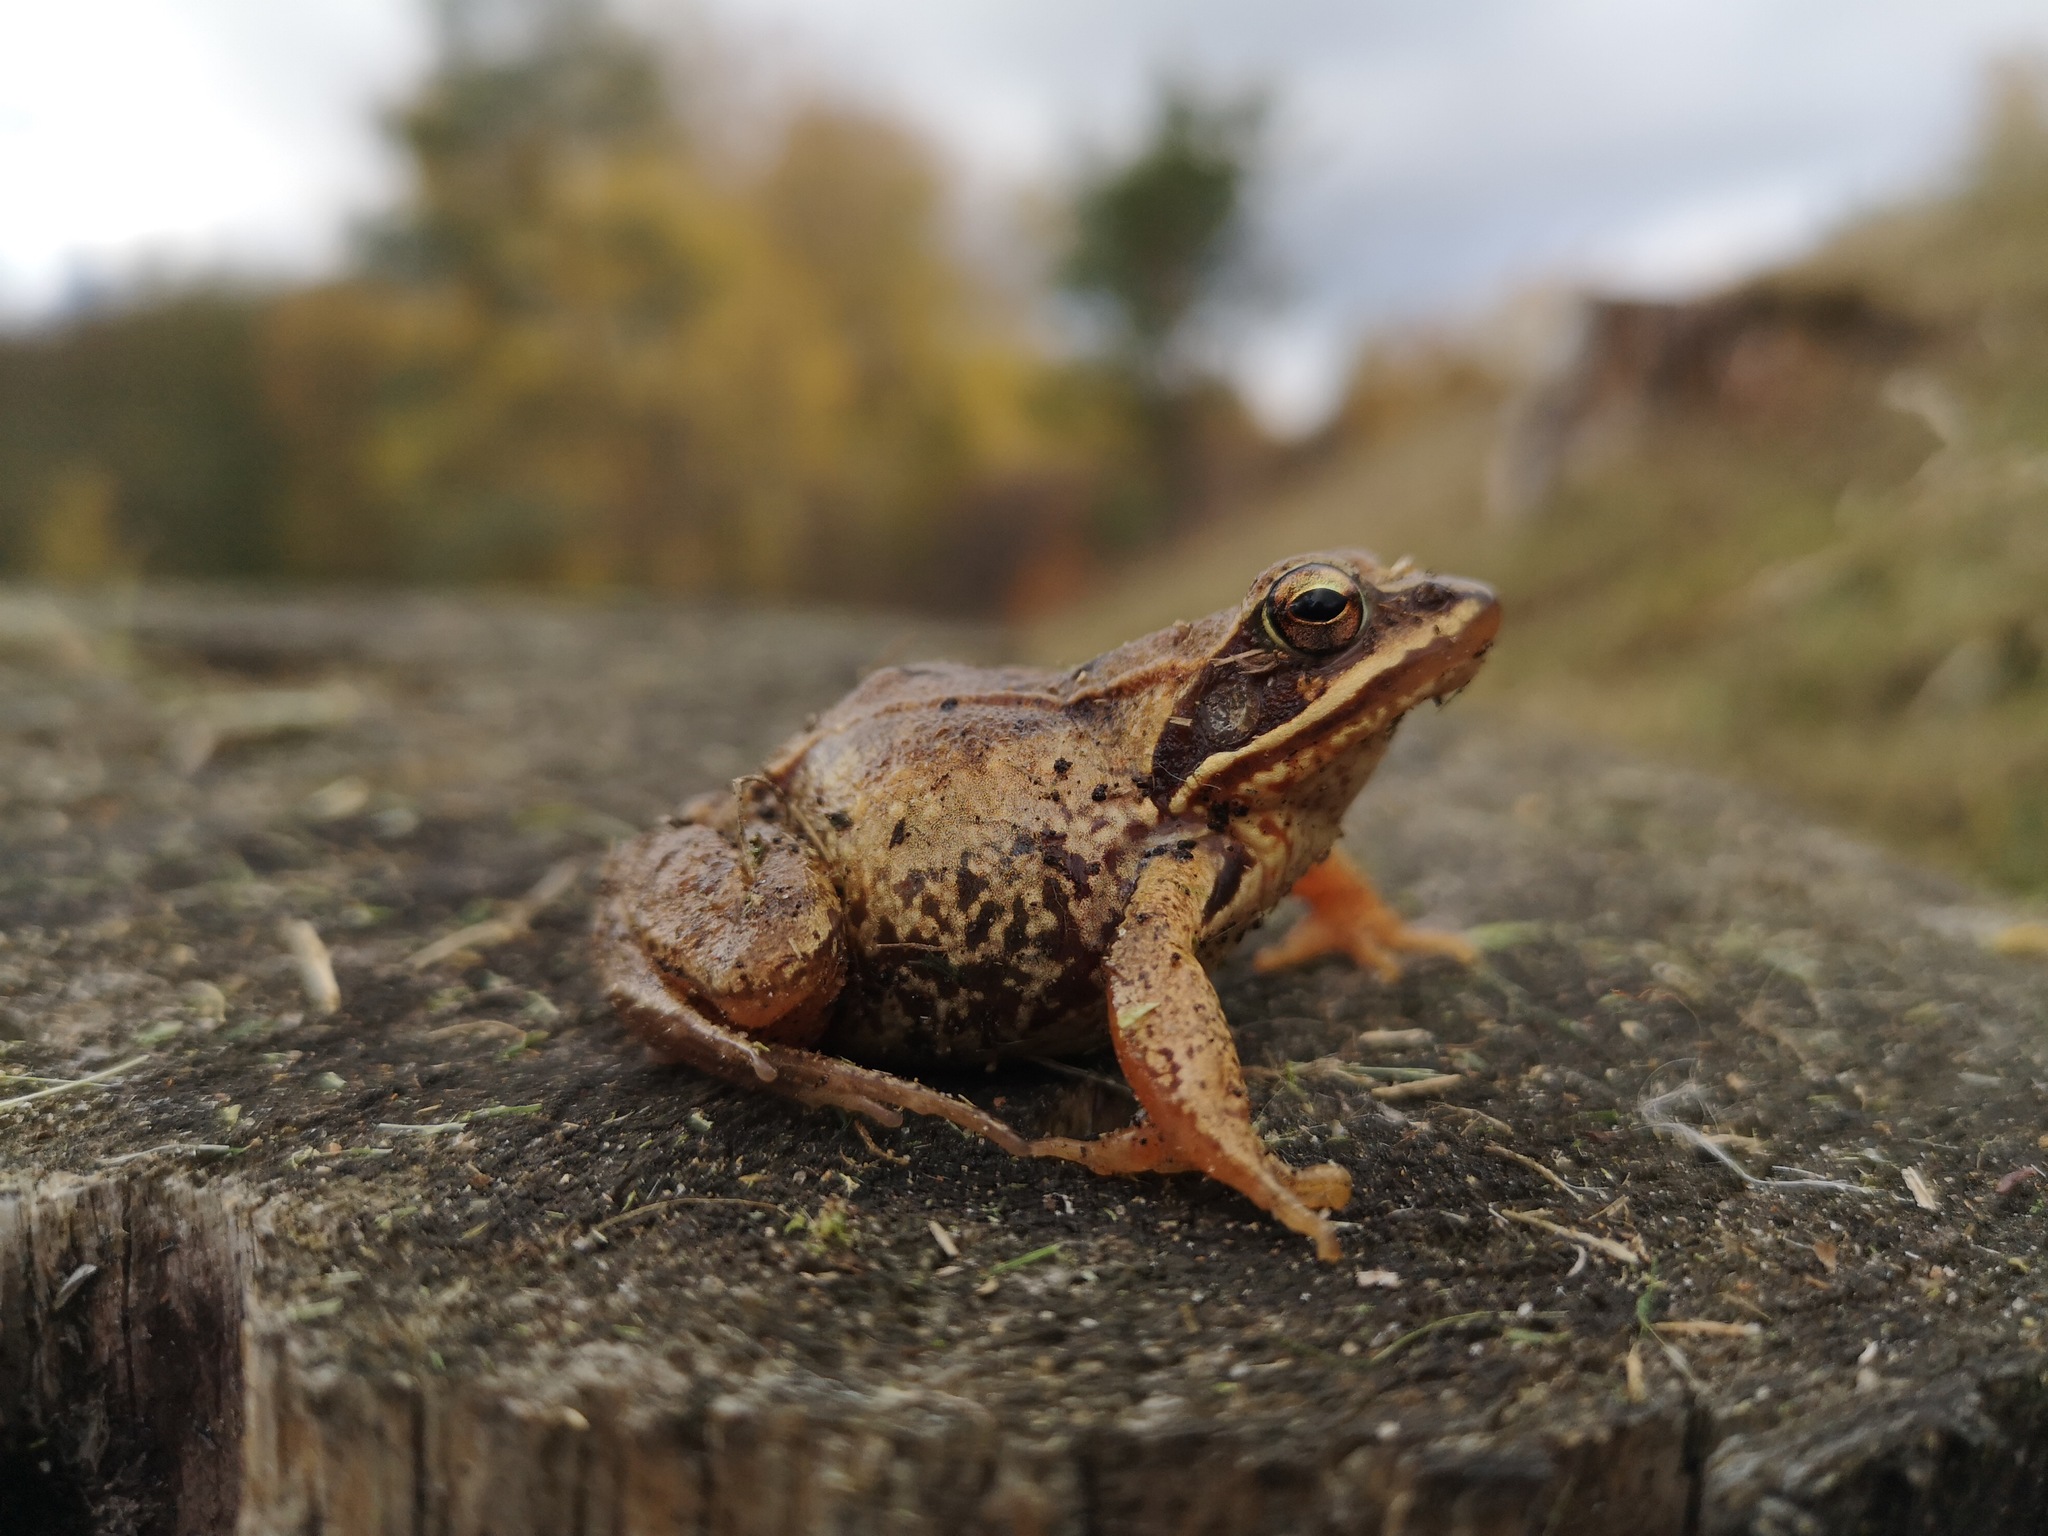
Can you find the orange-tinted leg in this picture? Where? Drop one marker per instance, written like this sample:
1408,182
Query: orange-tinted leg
1177,1054
681,1033
1346,916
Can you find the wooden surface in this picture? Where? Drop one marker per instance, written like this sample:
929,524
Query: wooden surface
456,1258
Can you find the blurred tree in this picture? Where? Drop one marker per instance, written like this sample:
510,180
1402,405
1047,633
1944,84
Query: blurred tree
145,422
580,358
1155,236
1156,240
588,352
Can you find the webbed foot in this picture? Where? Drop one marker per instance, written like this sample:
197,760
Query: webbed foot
1347,916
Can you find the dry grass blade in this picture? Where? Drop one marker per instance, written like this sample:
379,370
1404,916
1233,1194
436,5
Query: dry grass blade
1421,1088
1457,1321
1340,1070
1656,1115
1606,1247
1707,1328
316,966
72,1084
1394,1039
508,924
1508,1154
1477,1118
1923,1192
174,1149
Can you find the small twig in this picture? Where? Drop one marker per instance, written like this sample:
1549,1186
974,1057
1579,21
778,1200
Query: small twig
316,966
944,1239
514,920
886,1156
1605,1246
67,1086
399,1128
1495,1149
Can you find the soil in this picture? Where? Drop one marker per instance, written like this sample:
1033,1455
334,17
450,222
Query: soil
1558,1309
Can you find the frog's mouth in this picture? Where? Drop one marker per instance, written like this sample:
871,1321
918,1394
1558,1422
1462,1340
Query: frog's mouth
1428,639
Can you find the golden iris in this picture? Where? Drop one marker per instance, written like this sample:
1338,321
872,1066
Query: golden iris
1315,608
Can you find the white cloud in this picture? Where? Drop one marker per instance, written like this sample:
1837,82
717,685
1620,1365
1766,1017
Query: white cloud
147,132
1426,155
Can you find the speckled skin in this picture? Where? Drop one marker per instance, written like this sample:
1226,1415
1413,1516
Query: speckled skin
984,829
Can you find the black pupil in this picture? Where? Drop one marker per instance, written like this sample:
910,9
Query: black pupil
1318,605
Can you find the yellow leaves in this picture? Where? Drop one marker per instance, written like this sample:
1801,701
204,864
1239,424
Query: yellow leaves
621,363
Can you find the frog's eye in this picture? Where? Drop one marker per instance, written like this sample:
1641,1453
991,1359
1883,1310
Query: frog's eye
1315,608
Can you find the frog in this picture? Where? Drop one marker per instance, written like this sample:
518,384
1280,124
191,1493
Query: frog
958,867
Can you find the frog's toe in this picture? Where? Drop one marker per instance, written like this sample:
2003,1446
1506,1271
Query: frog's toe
1347,916
1133,1149
1323,1187
1315,936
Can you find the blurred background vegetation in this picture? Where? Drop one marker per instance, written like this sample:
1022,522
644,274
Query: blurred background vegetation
1797,530
600,346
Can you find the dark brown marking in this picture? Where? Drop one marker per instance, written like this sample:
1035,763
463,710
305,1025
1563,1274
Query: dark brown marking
983,923
972,886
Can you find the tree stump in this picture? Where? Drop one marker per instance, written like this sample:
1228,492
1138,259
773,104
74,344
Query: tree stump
1706,1204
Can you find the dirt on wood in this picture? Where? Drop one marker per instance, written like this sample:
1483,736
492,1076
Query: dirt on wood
1713,1200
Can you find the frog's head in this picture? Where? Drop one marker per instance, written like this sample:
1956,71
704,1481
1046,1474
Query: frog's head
1325,656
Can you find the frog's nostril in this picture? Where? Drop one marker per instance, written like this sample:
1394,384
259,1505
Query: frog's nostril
1432,597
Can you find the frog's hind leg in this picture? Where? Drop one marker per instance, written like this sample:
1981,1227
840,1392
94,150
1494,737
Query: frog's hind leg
1347,916
681,1033
1177,1054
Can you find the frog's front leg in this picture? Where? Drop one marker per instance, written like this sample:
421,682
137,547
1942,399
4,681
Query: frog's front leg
1347,916
1177,1054
720,941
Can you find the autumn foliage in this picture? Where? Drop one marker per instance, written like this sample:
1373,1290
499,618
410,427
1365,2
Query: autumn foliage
588,353
607,340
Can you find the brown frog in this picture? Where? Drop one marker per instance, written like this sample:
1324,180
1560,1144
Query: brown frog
956,865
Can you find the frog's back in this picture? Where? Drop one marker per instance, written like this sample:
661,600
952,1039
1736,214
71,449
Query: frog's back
983,831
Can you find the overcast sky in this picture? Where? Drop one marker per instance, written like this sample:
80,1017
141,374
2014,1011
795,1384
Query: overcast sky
1427,155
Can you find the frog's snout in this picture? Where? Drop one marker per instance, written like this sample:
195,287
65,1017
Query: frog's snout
1473,607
